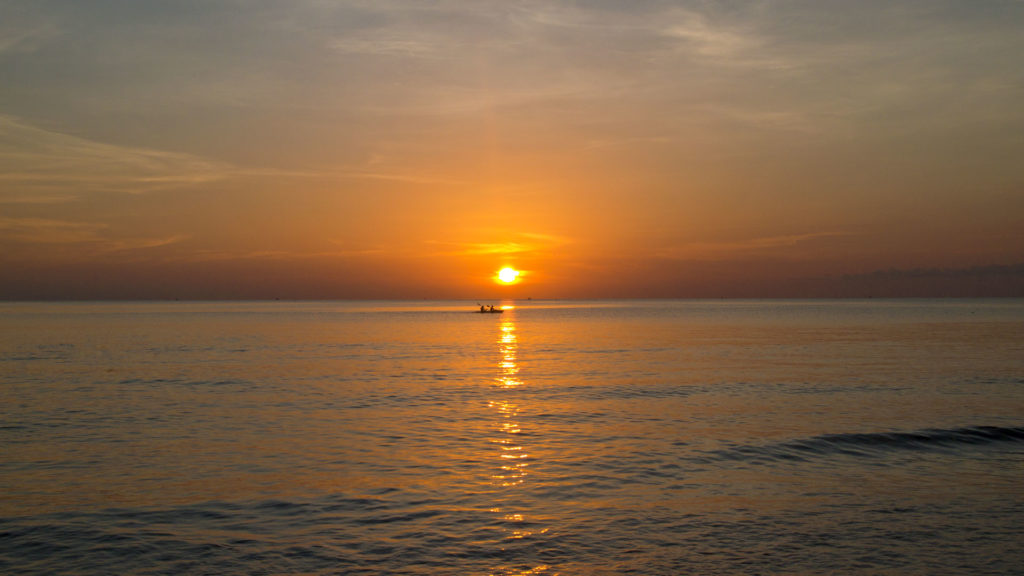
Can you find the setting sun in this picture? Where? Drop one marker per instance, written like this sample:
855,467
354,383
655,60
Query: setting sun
508,275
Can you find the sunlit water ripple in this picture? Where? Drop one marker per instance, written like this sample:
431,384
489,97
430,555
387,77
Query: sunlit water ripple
665,437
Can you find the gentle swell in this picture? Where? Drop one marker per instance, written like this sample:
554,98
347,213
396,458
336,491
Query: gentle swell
872,444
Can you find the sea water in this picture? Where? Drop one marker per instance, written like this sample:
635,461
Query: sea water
644,437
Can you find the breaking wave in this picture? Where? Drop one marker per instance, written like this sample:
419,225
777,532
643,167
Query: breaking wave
873,444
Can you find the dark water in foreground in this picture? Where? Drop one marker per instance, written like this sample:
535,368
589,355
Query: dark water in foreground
852,437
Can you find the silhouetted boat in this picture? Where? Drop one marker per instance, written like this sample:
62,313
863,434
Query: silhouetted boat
489,311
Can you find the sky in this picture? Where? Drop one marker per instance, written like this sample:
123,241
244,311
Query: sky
409,149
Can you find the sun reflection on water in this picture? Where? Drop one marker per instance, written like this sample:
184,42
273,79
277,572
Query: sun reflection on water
508,346
513,458
512,454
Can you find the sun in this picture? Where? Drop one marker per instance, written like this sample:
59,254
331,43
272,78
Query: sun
508,275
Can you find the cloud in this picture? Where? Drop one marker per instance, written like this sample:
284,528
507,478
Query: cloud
131,244
738,248
24,32
483,248
209,255
391,45
24,40
49,231
91,237
763,64
37,198
48,165
521,243
697,34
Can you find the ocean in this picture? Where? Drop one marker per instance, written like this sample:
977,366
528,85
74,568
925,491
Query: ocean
559,437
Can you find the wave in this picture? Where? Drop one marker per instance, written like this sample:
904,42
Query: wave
383,532
868,445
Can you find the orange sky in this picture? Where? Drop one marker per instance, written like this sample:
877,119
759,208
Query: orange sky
410,149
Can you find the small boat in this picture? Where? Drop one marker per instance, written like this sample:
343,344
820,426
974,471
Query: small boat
490,310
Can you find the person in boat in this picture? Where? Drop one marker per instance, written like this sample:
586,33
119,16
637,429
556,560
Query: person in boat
482,309
491,308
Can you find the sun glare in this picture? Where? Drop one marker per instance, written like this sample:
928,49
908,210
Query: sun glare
508,275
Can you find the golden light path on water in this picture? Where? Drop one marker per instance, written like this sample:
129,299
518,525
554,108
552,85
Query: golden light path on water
512,455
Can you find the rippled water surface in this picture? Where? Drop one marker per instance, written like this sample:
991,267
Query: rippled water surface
649,437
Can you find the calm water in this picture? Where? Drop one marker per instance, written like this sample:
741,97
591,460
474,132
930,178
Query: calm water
671,437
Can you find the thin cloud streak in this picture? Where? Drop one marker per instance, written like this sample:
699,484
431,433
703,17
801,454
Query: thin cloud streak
745,248
88,237
524,243
32,158
200,256
49,231
48,162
